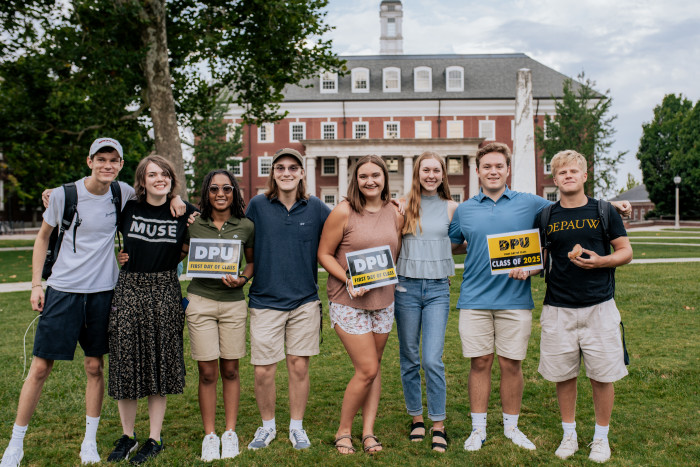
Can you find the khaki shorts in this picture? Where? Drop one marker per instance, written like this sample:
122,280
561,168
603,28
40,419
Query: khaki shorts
272,330
217,329
506,330
593,331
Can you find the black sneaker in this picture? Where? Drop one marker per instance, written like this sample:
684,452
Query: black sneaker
149,449
123,447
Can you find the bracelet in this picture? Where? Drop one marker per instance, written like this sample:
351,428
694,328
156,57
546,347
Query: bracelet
37,286
244,277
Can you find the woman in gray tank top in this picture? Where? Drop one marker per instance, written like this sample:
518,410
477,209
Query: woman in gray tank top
422,297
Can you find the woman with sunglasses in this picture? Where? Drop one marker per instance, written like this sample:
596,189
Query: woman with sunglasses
146,319
217,312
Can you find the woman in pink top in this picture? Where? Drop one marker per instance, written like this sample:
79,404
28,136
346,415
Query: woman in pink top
362,318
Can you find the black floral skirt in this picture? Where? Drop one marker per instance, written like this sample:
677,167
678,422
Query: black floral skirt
145,336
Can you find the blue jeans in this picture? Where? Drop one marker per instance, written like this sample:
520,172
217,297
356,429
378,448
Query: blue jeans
422,310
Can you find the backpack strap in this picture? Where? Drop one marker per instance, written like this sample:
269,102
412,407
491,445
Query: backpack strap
117,201
545,215
604,215
70,209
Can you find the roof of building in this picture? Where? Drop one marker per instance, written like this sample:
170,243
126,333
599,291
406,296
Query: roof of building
637,194
486,76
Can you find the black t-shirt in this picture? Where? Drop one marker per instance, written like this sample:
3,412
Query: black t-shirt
153,238
568,285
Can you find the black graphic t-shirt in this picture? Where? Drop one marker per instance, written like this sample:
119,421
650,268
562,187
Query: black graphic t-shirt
569,285
153,238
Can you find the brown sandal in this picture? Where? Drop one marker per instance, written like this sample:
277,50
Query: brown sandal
344,446
371,446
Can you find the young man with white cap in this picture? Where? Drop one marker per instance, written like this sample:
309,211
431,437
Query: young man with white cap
283,299
76,305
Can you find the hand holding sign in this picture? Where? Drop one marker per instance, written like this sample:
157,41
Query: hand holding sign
213,258
515,251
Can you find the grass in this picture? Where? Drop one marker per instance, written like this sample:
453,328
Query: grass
15,243
653,421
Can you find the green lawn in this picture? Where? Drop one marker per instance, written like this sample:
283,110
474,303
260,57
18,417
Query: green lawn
15,243
653,422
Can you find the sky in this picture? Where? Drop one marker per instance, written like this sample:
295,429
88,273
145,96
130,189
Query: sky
640,50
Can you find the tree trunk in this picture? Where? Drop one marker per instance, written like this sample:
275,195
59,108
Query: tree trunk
160,92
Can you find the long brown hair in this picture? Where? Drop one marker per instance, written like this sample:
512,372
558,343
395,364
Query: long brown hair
355,197
273,189
412,224
140,175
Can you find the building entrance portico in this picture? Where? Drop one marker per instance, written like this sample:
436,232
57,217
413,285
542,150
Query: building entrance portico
330,163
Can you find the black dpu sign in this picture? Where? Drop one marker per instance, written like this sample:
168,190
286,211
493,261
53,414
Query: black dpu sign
371,268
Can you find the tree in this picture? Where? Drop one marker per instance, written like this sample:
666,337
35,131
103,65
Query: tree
582,123
631,183
670,146
126,66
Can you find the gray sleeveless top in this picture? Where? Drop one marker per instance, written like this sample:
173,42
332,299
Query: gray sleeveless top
428,255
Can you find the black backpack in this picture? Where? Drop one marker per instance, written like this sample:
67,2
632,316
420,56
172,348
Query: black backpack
70,210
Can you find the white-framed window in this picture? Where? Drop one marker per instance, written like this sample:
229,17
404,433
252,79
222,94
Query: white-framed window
297,131
329,82
391,27
642,211
360,79
392,164
457,193
391,79
547,168
328,166
635,215
423,129
455,129
422,79
236,168
487,129
454,76
330,199
328,130
360,130
550,193
394,195
392,130
266,133
455,165
264,166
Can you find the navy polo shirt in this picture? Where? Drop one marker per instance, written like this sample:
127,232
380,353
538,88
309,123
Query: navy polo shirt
286,246
473,220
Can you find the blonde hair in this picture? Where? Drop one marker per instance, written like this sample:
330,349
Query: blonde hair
355,197
412,224
567,157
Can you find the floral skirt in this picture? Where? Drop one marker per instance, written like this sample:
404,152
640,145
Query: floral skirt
145,336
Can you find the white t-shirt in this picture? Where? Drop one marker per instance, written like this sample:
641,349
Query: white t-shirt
92,267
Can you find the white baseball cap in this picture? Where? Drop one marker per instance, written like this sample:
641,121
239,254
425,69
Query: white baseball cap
100,143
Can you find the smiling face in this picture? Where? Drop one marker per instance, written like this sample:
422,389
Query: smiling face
430,176
493,172
158,182
105,166
288,173
370,180
570,178
220,193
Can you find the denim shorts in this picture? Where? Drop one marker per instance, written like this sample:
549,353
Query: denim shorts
69,318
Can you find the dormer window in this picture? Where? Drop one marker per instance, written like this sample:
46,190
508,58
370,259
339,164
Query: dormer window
329,82
455,79
360,80
392,79
422,79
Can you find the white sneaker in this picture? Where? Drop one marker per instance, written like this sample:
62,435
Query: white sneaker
600,450
568,446
210,448
262,438
88,453
229,444
475,440
299,439
518,438
12,457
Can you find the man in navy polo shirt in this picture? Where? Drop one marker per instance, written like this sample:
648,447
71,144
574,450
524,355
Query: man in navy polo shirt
285,310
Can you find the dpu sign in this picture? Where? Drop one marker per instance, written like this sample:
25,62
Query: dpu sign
371,268
213,258
515,250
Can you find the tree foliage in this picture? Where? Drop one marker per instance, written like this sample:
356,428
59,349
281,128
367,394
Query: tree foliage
631,183
74,70
670,146
582,122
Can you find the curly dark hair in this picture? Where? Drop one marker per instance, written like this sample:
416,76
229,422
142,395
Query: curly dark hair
237,206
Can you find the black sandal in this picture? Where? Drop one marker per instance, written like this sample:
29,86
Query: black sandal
441,434
416,438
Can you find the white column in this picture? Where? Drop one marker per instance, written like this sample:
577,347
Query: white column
311,175
407,174
473,177
342,177
523,176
